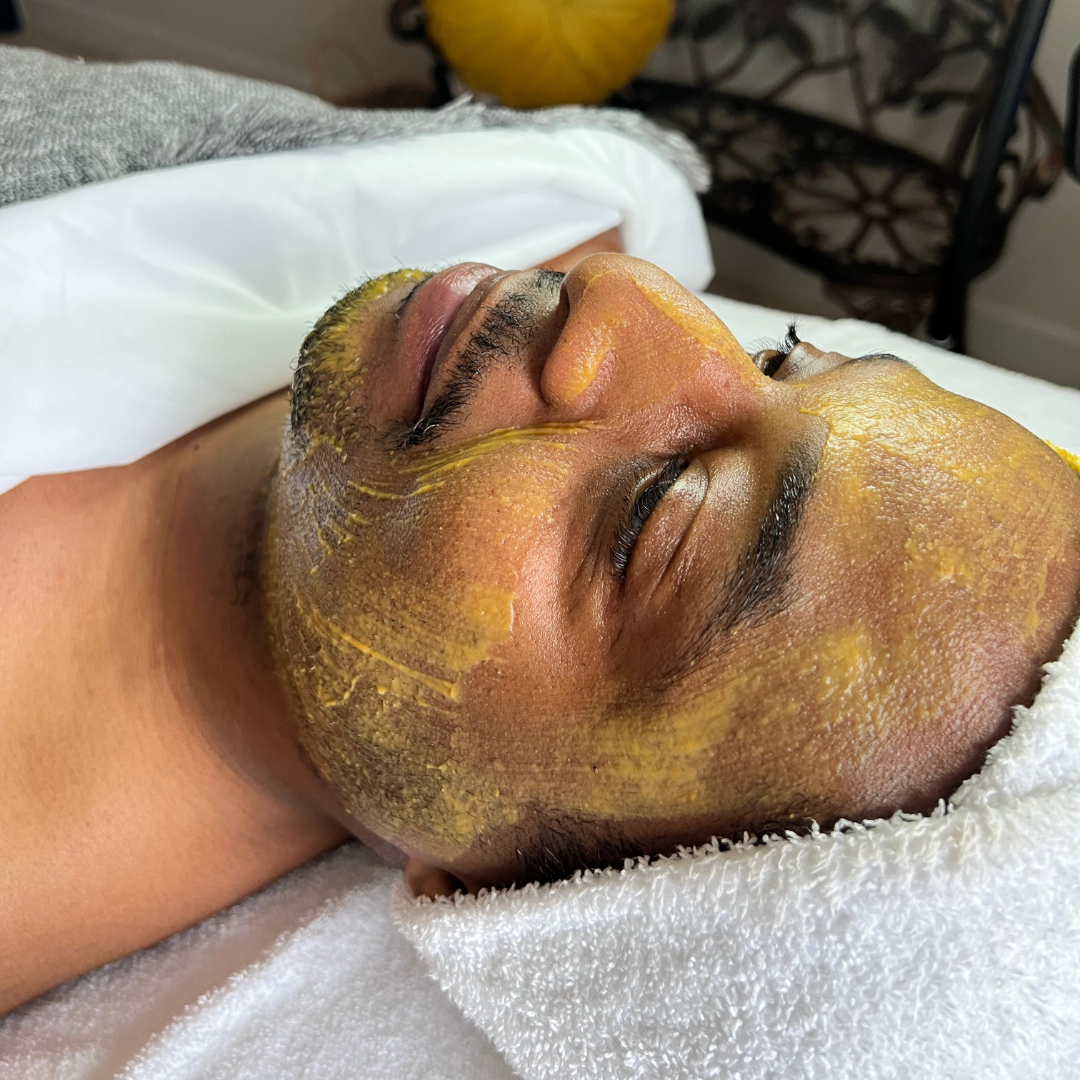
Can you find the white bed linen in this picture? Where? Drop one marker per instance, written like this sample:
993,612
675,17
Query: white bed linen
309,979
137,309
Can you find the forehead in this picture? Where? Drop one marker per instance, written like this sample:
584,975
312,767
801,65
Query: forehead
896,433
920,536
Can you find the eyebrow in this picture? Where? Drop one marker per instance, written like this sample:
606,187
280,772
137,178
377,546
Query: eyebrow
891,357
759,585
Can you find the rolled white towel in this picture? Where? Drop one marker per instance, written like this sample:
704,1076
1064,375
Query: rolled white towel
945,946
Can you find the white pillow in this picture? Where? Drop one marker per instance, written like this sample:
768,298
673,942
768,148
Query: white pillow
137,309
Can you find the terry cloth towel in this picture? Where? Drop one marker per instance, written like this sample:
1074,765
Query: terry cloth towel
308,980
66,122
305,980
940,948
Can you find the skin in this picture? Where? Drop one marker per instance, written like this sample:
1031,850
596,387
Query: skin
149,774
424,596
254,649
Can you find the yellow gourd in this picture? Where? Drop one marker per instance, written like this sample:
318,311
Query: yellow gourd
531,53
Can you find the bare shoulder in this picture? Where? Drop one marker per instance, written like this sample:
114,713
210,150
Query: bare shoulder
54,533
93,740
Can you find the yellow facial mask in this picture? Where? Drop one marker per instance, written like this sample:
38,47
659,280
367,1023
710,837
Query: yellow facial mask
1070,459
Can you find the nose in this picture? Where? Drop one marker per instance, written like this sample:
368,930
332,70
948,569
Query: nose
634,337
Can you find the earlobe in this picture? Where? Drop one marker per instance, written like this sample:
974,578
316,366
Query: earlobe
432,881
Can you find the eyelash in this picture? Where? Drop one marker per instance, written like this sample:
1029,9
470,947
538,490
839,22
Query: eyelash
773,358
636,511
403,304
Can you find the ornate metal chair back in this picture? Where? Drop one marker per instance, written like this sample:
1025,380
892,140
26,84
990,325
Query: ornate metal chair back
843,133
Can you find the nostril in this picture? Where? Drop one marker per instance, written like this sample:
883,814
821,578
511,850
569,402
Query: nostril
768,361
561,313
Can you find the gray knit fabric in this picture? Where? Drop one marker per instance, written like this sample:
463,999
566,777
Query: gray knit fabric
67,122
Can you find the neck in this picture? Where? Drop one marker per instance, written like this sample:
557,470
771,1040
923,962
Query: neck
214,616
221,628
149,777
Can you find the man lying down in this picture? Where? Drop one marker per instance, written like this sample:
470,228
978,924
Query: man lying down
545,571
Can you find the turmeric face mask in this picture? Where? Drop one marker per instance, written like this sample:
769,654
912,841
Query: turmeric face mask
555,566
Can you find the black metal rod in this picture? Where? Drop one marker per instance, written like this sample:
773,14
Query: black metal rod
947,320
1072,119
9,17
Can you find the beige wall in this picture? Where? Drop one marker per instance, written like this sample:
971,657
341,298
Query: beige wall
1024,314
338,47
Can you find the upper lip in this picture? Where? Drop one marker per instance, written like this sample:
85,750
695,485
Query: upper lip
441,309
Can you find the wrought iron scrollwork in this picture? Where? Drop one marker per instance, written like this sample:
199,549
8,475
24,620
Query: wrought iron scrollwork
840,132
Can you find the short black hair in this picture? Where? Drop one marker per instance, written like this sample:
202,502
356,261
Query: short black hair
554,845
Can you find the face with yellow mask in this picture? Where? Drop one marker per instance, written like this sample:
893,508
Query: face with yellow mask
558,573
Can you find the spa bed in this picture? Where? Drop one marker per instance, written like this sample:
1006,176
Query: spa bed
311,977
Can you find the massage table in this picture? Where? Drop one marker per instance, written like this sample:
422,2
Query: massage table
139,308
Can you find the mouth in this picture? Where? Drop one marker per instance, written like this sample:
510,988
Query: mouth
442,301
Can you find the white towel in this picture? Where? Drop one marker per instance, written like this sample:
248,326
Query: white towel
938,947
931,947
309,980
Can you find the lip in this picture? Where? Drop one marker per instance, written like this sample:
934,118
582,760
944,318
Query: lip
438,303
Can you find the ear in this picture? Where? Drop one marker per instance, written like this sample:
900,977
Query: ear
433,881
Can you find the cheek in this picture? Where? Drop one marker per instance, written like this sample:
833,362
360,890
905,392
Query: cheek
948,527
464,560
488,519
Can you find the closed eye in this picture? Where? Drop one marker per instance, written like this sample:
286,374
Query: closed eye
768,361
637,510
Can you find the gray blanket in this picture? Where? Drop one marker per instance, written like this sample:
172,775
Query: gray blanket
66,122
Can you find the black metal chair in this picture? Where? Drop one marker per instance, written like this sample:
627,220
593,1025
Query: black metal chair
10,22
896,231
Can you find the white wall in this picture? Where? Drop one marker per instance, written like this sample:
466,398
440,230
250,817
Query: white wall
337,47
